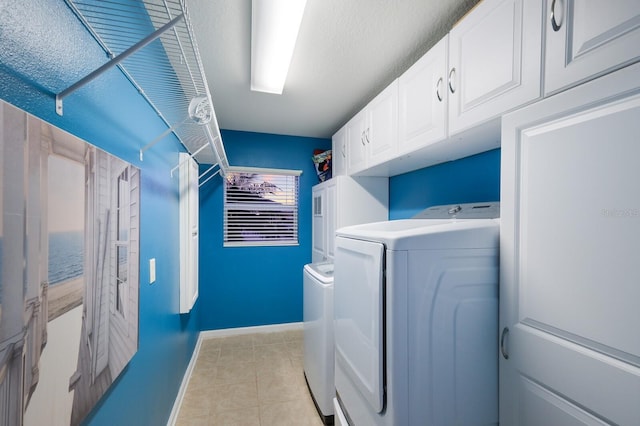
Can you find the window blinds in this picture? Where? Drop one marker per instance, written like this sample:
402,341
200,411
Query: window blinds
260,207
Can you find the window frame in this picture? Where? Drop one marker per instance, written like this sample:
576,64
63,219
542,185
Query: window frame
262,175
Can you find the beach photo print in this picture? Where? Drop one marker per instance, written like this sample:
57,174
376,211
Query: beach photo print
69,269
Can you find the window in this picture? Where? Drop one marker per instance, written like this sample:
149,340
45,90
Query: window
260,207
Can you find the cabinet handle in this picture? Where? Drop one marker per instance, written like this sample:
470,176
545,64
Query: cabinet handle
452,75
554,24
342,151
362,138
505,331
438,86
367,135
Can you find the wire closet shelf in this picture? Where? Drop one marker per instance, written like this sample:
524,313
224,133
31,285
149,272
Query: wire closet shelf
152,43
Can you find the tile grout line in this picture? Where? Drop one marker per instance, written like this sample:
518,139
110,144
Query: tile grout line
290,351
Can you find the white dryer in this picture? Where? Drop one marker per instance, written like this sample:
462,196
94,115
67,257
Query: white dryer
416,319
318,336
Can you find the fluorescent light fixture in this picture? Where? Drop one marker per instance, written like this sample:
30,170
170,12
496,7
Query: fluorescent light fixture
274,30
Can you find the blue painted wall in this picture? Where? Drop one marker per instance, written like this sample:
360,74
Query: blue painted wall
43,50
248,286
470,179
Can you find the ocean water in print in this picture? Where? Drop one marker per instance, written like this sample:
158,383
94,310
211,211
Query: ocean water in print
66,256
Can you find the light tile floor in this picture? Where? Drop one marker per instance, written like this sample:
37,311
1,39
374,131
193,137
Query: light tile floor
249,380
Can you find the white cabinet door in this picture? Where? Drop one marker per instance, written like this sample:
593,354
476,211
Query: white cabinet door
588,38
332,215
357,143
569,246
494,61
189,232
373,132
382,133
422,100
339,153
318,224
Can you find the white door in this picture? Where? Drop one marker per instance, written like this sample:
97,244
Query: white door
494,61
422,100
382,133
357,153
587,38
339,153
570,246
332,216
189,233
318,225
194,231
358,313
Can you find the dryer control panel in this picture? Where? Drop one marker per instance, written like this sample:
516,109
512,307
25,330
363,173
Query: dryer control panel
489,210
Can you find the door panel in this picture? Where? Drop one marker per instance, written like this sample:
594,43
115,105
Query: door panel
357,153
358,312
590,37
339,153
331,206
570,238
318,224
542,407
494,61
422,100
189,232
576,380
382,133
194,223
568,165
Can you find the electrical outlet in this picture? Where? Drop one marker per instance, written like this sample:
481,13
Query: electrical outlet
152,270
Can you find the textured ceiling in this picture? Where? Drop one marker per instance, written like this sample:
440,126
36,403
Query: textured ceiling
347,52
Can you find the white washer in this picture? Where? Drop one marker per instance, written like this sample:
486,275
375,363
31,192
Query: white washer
318,336
416,319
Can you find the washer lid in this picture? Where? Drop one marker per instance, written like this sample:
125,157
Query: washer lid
322,271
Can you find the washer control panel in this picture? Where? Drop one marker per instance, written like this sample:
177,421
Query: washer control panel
489,210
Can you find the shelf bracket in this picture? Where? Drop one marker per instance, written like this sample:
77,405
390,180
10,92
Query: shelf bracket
115,61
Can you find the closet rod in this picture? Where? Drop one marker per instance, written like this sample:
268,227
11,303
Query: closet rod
209,178
190,156
115,61
162,136
206,172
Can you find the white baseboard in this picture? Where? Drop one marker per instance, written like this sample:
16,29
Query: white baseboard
185,382
211,334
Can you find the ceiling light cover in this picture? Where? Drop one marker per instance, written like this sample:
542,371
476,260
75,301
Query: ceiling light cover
274,30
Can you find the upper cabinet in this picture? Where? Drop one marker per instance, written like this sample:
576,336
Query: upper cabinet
357,129
422,100
339,153
382,134
373,133
494,61
448,105
585,39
